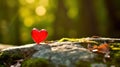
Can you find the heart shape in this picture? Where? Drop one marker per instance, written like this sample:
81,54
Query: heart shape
39,35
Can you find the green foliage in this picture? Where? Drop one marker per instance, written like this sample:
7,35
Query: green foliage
37,62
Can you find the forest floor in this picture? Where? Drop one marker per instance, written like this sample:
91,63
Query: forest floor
66,52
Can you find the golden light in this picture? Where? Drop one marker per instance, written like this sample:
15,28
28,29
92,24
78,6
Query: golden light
24,12
44,2
30,1
24,36
28,22
40,10
72,13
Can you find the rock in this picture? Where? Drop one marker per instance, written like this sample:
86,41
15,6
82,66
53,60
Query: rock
65,53
60,54
9,56
4,46
25,50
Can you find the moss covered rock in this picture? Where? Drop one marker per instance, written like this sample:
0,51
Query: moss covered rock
69,53
36,62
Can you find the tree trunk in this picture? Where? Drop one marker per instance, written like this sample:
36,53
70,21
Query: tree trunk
10,26
62,23
115,21
87,21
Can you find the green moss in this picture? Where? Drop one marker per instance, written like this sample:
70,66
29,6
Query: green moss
37,62
6,59
83,64
62,65
116,59
81,40
115,46
2,65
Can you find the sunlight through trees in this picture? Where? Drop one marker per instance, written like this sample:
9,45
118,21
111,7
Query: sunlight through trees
62,18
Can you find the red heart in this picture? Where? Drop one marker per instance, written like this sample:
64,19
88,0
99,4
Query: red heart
39,35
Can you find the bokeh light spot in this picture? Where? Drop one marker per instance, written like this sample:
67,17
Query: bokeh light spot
28,22
44,2
72,13
30,1
40,10
24,12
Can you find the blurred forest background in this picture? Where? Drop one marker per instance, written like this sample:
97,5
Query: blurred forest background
61,18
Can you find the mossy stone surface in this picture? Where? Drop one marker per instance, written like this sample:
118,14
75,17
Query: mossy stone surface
60,54
7,59
37,62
